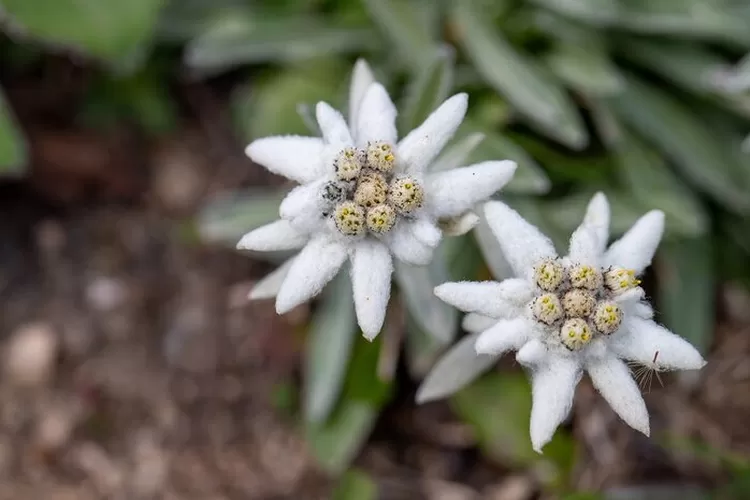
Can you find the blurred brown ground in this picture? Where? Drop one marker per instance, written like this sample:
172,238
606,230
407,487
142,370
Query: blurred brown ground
133,368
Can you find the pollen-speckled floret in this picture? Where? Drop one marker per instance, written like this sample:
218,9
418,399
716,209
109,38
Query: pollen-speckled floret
607,317
549,275
405,194
578,303
575,333
583,276
547,308
349,218
372,189
380,156
381,218
619,280
348,164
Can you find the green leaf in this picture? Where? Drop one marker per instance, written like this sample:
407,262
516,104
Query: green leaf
691,67
13,149
356,485
417,283
535,94
687,289
595,12
427,90
227,218
238,40
184,20
498,408
663,190
402,25
422,349
587,69
109,29
270,105
336,443
673,129
529,177
687,18
330,340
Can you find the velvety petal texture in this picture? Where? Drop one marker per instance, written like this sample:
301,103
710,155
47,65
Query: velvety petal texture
523,244
489,298
505,335
455,191
333,126
652,345
421,146
297,158
362,78
376,120
278,235
553,385
311,270
614,381
637,247
597,219
371,282
477,323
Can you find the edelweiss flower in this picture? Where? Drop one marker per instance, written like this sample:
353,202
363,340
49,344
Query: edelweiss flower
364,196
566,315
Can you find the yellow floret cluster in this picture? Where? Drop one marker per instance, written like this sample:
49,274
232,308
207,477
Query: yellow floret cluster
367,195
576,301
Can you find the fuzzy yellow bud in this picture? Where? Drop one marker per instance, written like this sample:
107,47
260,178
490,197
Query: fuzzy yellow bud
349,218
578,303
549,275
348,164
380,156
619,280
607,317
582,276
547,308
381,218
405,195
372,190
575,334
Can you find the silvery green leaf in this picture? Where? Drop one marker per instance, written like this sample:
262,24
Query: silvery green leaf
533,92
687,289
422,349
336,442
605,121
305,111
491,251
529,177
235,41
687,18
663,190
457,153
417,283
13,149
586,69
595,12
460,225
330,339
182,20
269,105
403,25
227,218
427,90
738,79
356,485
692,67
107,29
457,368
693,148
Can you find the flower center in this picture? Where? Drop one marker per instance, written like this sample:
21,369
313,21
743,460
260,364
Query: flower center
576,302
366,196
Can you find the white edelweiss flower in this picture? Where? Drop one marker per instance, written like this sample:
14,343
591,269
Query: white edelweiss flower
564,316
364,196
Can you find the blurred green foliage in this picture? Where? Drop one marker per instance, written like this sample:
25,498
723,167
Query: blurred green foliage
647,100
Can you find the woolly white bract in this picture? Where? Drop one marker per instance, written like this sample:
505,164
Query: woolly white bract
366,197
564,316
